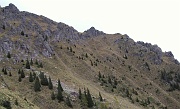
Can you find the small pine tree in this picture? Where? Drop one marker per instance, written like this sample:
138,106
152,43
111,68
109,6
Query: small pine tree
19,79
91,63
22,33
31,77
89,99
86,55
99,75
31,62
59,95
36,62
40,65
109,80
115,82
153,107
5,71
59,85
16,102
50,85
19,71
34,75
71,49
80,94
53,97
68,102
41,75
10,74
8,55
45,81
6,104
27,64
4,27
22,74
100,97
37,85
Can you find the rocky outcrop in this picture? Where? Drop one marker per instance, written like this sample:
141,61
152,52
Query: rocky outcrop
169,54
44,31
157,58
92,32
11,9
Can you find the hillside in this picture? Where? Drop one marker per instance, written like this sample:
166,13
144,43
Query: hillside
127,74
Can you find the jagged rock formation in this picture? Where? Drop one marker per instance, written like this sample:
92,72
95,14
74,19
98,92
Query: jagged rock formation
43,30
93,32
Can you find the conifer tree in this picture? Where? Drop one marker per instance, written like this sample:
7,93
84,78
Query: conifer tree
27,64
19,79
89,99
115,82
68,102
85,93
41,65
50,85
45,81
53,97
100,97
70,49
59,85
10,74
41,75
59,94
36,62
37,85
22,74
9,55
19,71
31,62
22,33
109,80
4,27
84,101
34,75
31,77
5,71
99,75
86,55
16,102
80,94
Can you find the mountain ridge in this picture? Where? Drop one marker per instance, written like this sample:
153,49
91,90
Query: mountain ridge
134,74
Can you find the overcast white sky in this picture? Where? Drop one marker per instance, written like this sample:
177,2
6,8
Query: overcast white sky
153,21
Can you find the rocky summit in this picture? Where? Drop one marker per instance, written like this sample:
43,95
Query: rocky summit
50,65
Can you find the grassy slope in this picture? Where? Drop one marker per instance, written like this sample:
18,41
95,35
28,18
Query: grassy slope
79,73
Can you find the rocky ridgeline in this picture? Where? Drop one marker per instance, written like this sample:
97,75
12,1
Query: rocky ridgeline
35,32
157,50
30,35
92,32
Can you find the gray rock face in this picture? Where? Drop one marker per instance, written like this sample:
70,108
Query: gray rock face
92,32
169,54
65,32
6,45
153,48
11,8
45,31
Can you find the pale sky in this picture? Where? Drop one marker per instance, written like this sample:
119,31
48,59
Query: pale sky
153,21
